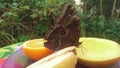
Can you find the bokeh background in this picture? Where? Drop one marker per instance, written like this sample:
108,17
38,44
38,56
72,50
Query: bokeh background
21,20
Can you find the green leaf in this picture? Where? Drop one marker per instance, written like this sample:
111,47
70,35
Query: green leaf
26,7
2,23
34,15
45,12
2,6
23,38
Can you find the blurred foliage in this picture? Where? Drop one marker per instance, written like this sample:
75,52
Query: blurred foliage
101,18
21,20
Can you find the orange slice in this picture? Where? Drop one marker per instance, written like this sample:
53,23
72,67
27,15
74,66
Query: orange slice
35,49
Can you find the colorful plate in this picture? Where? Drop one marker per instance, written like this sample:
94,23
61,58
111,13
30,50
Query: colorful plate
17,60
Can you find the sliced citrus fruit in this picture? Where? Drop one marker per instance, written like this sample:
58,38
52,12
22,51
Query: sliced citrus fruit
35,49
97,52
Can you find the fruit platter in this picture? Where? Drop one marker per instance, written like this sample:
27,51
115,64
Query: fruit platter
66,57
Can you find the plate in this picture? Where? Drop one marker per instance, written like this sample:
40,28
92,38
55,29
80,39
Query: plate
18,60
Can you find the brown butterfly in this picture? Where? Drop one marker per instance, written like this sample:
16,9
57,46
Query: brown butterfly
66,31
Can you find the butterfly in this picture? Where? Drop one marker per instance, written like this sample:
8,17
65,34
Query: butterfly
66,31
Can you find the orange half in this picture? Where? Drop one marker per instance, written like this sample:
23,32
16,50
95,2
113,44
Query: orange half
35,49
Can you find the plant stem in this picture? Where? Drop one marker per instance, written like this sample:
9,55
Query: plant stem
114,5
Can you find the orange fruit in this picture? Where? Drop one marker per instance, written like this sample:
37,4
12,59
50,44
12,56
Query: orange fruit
35,49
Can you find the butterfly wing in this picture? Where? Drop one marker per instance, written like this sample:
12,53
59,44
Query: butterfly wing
66,31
